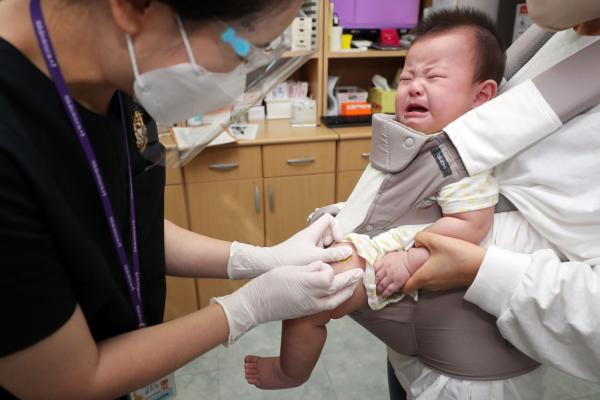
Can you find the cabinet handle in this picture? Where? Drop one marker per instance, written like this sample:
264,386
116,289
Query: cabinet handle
365,155
257,199
224,166
271,199
298,161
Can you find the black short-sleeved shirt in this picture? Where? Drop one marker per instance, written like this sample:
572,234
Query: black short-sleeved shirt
55,246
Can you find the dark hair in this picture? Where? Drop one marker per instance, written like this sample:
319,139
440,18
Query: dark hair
226,10
490,47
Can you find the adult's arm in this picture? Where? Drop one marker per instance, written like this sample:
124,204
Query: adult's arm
494,132
70,365
497,130
189,254
547,308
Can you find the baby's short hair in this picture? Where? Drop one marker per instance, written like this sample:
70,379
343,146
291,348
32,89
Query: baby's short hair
490,47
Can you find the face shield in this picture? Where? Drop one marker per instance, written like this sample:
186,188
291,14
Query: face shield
259,84
558,15
261,69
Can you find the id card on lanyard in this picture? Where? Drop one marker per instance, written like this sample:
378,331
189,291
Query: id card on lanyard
163,388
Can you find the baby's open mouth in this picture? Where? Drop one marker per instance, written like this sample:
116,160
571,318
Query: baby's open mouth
416,108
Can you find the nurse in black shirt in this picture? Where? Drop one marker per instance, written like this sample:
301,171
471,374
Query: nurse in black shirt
84,248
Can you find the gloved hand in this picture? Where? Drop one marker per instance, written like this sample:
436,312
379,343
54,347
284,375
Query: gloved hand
306,246
285,293
332,209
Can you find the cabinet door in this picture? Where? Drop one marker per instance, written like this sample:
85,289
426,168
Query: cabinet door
181,292
345,184
175,210
182,298
289,201
229,210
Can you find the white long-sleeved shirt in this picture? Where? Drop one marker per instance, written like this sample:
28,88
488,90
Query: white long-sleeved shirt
547,308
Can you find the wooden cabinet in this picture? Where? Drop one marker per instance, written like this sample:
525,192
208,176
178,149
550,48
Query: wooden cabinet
258,194
289,200
299,159
181,292
299,177
228,210
345,183
353,154
228,163
225,200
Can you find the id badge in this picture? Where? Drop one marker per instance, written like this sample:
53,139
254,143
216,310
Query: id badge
162,389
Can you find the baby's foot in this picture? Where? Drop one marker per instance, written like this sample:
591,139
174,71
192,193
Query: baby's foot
266,373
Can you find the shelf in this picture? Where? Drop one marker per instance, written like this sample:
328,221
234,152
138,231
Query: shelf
368,54
290,54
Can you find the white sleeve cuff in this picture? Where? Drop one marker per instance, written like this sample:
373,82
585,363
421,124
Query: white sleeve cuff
499,275
497,130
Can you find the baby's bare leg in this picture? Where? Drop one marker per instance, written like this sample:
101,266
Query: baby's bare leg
302,341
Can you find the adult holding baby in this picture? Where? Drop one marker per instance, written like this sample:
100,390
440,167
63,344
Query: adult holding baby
546,164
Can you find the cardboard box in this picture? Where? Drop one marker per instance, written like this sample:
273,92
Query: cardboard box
356,108
383,101
350,93
302,34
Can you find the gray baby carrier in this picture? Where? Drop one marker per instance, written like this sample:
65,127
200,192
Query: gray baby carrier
444,331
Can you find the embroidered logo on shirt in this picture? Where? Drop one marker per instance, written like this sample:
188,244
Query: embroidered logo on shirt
441,161
140,131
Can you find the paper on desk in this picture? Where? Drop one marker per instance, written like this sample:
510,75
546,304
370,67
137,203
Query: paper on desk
243,131
188,137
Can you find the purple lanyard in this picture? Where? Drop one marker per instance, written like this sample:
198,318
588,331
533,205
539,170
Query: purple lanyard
133,285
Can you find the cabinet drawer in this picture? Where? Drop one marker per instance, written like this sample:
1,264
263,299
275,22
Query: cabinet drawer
353,154
299,159
224,164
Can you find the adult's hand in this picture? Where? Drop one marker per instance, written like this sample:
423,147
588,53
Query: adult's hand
306,246
453,263
285,293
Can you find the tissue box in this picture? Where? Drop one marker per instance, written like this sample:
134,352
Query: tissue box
383,101
304,112
279,109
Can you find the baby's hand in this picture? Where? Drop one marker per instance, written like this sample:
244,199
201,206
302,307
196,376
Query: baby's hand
391,272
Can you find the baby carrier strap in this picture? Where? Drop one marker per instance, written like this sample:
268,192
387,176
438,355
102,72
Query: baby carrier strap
576,75
571,87
524,48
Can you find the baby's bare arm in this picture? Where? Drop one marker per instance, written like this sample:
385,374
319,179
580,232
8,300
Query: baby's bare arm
471,226
393,270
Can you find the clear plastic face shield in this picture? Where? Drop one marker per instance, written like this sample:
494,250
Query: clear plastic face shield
558,15
200,94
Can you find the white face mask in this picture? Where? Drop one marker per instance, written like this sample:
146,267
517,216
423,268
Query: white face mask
182,91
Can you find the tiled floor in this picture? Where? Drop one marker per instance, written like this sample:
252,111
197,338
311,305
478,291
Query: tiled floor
352,366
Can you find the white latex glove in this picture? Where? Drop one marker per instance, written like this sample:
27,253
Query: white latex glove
285,293
306,246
